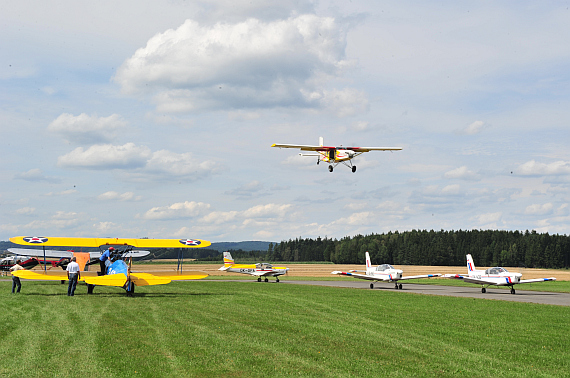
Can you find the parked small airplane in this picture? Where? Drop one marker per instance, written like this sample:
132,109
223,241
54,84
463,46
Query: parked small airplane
496,276
335,155
257,270
384,272
25,262
118,273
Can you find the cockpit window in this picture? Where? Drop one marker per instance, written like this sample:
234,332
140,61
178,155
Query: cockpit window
383,267
497,270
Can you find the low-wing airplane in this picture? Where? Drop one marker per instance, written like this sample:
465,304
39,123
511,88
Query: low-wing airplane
495,276
257,270
335,155
384,272
118,273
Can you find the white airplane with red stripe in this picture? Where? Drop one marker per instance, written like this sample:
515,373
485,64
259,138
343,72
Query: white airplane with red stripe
495,276
384,272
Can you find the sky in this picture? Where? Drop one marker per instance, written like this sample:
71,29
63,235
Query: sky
156,119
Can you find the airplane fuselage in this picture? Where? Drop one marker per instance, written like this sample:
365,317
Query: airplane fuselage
496,276
390,275
258,270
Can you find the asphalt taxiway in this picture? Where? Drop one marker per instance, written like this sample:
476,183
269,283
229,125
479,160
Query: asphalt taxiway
541,297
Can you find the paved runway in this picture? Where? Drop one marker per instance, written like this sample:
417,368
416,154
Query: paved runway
541,297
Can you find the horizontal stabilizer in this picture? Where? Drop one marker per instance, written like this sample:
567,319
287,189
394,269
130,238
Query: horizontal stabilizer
109,280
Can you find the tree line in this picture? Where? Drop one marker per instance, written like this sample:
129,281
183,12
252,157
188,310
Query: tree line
421,247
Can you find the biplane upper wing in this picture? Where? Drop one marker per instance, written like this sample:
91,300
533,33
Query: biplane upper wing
97,242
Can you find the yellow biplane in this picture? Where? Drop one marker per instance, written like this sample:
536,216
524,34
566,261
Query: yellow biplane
118,272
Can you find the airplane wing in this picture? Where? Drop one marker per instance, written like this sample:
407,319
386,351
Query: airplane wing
538,280
109,280
422,276
40,252
368,149
97,242
356,275
178,276
304,147
468,279
262,273
50,275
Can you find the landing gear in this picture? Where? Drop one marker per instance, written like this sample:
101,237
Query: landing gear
400,287
372,286
353,168
396,286
90,289
130,288
512,290
330,168
276,279
258,279
483,290
266,279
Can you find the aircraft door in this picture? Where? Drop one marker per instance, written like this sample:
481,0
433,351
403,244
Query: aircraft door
332,154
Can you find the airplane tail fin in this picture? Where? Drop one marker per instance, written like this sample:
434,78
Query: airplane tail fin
368,262
321,141
470,264
228,260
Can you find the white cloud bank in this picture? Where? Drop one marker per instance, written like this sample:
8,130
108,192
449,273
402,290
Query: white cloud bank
85,129
250,64
533,168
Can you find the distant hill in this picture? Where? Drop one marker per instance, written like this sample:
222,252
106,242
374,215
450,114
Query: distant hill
244,246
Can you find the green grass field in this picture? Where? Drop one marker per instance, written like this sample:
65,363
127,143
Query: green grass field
244,329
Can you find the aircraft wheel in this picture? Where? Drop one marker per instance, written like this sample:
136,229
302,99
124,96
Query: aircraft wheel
483,290
330,168
400,286
130,289
258,279
267,280
396,287
354,168
276,279
90,288
512,290
372,286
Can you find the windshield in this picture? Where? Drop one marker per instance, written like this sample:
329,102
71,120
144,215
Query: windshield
383,267
497,270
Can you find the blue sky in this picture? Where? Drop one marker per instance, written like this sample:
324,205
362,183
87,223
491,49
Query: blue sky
155,119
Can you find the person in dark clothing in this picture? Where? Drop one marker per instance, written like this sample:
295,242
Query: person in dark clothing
103,259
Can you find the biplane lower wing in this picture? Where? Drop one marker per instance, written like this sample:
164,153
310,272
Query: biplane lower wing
40,241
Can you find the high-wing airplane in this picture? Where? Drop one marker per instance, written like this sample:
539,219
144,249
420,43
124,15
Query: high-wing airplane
384,272
257,270
25,262
118,273
335,155
495,276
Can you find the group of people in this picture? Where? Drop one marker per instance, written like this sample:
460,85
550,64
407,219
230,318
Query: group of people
73,272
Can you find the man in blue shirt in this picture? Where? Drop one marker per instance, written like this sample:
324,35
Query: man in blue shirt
104,257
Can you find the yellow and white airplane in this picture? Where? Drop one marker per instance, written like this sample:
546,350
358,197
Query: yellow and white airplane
118,273
496,276
384,272
257,270
335,155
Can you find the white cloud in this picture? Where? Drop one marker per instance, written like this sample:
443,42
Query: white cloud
272,212
106,156
537,209
177,211
35,175
489,217
250,64
474,128
252,189
85,129
62,193
115,196
26,210
169,163
461,173
532,168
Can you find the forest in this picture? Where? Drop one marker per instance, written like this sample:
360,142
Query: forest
448,248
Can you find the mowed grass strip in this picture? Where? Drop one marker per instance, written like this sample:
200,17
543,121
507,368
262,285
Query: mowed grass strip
248,329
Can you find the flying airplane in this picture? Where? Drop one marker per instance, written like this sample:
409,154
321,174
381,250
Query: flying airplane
496,276
384,272
118,273
335,155
257,270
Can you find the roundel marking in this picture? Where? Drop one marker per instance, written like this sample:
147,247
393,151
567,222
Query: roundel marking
190,242
35,239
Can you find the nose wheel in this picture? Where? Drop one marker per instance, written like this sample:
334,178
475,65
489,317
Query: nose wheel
330,168
512,290
372,286
483,290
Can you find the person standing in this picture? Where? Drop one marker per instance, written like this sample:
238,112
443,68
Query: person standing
73,275
16,280
103,259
